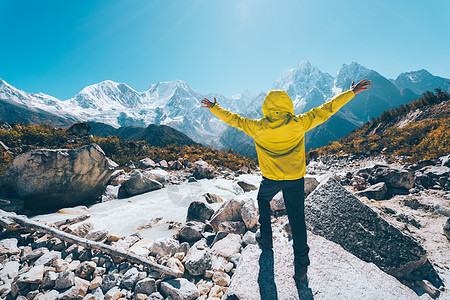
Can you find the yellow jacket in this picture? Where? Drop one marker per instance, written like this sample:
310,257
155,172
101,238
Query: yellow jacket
280,136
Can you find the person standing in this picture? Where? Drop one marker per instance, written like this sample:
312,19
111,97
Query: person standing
280,145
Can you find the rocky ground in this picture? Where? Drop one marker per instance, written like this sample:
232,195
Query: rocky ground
208,244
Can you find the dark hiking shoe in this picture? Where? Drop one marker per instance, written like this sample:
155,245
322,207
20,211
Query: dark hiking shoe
300,274
264,242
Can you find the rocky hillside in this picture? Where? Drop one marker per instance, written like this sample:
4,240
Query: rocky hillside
418,130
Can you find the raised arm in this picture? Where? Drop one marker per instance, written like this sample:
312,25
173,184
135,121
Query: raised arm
246,125
319,115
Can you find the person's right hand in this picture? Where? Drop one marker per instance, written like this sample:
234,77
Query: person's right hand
361,86
207,103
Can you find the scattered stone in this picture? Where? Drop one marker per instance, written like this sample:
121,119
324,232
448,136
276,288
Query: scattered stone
95,283
228,246
190,232
203,170
127,242
146,163
65,280
179,289
198,258
34,275
175,264
247,187
209,274
393,177
277,203
334,213
249,238
146,286
131,277
237,227
141,247
199,211
83,229
228,211
217,293
9,246
113,294
445,211
9,271
48,258
221,278
85,269
109,281
164,246
310,184
212,198
137,184
48,179
155,296
377,191
249,213
96,235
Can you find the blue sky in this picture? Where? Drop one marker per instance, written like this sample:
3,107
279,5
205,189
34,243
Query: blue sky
223,46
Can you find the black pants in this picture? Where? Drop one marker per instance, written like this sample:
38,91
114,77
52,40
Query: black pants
294,199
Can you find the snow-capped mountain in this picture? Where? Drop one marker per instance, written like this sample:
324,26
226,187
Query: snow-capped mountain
177,105
421,81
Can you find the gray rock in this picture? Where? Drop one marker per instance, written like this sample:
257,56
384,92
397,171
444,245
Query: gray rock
34,275
447,228
393,177
96,235
48,258
228,246
50,295
137,184
228,211
310,184
9,246
198,258
131,277
247,187
85,269
212,198
199,211
203,170
49,280
237,227
445,211
145,286
83,229
9,271
334,213
98,293
66,279
146,163
109,281
249,213
58,178
249,238
190,232
277,203
155,296
179,289
36,253
164,246
377,191
113,294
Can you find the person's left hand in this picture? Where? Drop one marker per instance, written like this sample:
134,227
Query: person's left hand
207,103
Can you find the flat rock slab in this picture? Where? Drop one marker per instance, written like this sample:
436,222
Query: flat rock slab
334,213
333,274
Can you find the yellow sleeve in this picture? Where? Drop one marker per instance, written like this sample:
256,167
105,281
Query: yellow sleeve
244,124
318,115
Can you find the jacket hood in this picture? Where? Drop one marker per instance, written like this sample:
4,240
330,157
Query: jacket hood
276,104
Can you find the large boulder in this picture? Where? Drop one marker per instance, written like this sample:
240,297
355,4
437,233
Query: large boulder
333,274
198,258
377,191
137,184
203,170
49,179
199,211
334,213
